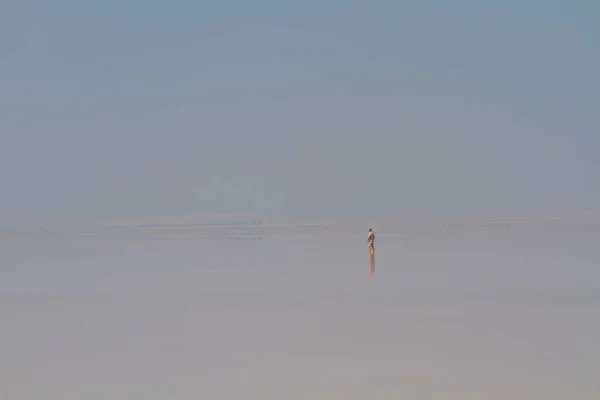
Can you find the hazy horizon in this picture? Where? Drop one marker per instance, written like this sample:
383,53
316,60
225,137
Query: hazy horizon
186,189
110,113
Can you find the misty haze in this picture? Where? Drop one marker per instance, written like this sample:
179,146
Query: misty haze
186,191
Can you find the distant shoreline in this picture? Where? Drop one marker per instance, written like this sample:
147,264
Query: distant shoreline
253,226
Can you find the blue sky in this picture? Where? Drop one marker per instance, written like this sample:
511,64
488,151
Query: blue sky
111,110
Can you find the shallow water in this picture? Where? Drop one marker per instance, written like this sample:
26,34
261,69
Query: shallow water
290,315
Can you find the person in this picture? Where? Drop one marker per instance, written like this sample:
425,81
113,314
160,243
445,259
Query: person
371,241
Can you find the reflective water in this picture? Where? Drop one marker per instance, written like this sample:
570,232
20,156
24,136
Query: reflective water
293,314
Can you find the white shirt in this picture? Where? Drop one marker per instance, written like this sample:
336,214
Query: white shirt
371,237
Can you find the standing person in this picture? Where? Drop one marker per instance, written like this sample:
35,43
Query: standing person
371,245
371,241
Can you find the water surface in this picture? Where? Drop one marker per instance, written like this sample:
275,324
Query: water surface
291,313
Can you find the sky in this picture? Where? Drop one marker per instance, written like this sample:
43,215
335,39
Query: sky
110,110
